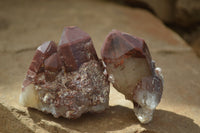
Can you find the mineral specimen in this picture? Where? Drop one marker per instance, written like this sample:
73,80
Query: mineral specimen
66,81
133,73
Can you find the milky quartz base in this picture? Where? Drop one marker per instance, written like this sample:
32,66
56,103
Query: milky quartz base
128,78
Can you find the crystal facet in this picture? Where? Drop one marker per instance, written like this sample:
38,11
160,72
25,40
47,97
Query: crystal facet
52,66
132,72
75,48
69,81
43,51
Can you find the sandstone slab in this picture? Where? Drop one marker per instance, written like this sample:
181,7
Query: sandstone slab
29,23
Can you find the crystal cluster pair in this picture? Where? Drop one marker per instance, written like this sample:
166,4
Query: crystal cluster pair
69,79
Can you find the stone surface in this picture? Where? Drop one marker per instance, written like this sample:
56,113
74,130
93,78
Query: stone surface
28,23
132,72
196,46
183,12
164,10
69,82
187,12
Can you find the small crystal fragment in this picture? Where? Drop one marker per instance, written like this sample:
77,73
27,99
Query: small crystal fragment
52,66
133,73
69,81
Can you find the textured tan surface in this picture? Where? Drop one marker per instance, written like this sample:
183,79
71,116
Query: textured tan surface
26,24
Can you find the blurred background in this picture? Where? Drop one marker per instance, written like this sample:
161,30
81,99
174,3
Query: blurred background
171,29
182,16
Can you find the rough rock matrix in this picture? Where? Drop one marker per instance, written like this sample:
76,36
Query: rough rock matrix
66,81
133,73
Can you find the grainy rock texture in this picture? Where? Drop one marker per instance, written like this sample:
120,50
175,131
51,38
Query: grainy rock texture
26,24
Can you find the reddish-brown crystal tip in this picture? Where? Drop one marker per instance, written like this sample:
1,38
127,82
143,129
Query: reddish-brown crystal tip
73,34
53,63
75,48
47,48
119,43
43,51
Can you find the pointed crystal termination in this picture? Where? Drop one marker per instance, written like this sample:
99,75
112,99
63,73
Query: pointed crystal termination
132,72
36,66
75,48
69,81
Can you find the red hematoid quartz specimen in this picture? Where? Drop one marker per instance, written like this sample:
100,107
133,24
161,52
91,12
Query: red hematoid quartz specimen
66,81
133,73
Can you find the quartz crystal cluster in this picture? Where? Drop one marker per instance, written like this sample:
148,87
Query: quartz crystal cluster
133,73
67,80
70,80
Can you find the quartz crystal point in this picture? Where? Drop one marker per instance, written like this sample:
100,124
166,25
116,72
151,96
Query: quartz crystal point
132,72
66,81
